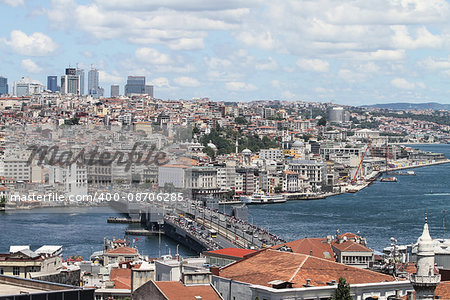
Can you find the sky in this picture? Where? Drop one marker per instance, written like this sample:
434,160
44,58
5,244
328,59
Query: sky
348,52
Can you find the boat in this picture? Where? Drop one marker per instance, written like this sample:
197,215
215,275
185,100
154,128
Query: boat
388,179
261,198
407,173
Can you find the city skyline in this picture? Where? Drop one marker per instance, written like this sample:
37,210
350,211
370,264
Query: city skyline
352,53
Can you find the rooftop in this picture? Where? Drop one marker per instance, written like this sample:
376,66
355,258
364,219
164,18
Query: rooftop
233,252
270,265
175,290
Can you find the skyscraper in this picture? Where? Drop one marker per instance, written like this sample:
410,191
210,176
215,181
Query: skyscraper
93,87
27,87
149,90
80,72
135,85
70,83
3,85
115,90
52,83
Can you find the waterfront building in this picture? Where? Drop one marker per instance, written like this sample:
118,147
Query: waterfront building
120,254
115,90
21,261
313,171
425,280
3,86
93,83
52,83
276,275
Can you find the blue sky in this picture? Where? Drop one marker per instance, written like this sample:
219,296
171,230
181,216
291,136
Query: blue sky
349,52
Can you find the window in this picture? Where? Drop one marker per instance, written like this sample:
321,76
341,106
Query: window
1,271
16,271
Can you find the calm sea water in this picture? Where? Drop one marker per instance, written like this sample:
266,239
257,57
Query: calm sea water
379,212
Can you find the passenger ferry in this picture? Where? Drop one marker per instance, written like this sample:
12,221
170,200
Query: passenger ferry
261,198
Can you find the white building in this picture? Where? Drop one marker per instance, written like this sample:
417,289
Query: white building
27,87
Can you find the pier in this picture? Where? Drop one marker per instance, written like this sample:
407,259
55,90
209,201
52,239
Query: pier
143,232
123,220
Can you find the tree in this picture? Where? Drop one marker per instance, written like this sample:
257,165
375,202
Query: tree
240,121
322,122
342,291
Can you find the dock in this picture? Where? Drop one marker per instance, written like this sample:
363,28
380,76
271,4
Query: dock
143,232
123,220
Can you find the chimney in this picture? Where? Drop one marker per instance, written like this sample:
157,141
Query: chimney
198,298
310,252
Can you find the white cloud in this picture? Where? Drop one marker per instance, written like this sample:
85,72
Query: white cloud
181,25
161,82
105,77
260,39
424,38
268,65
432,64
152,56
240,86
30,66
13,3
351,76
288,95
402,83
315,65
214,62
275,83
186,81
35,44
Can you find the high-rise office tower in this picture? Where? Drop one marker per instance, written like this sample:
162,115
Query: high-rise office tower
52,83
70,83
3,85
80,72
93,87
27,87
115,90
135,85
149,90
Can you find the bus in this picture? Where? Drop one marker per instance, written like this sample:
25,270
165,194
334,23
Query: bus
213,233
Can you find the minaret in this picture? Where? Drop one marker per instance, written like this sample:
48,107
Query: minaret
425,281
237,146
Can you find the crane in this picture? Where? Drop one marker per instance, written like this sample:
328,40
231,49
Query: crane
360,163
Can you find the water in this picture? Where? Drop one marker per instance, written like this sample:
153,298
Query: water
79,230
381,211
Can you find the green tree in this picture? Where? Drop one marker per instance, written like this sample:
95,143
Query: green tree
240,120
342,291
322,122
208,150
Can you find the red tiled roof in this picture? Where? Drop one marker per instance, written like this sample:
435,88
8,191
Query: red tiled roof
233,252
317,247
175,290
122,250
443,290
272,265
121,278
351,246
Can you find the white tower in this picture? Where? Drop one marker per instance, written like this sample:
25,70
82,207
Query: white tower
425,281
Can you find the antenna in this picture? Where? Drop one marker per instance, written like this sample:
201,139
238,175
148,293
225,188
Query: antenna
443,224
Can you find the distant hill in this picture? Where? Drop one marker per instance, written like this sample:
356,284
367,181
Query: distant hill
405,106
